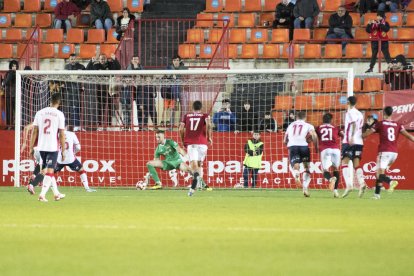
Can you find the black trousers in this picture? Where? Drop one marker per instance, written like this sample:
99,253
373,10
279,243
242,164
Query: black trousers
384,50
246,173
104,105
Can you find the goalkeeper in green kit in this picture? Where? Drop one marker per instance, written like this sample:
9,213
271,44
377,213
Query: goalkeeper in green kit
173,160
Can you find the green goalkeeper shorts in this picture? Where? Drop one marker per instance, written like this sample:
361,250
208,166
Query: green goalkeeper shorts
171,164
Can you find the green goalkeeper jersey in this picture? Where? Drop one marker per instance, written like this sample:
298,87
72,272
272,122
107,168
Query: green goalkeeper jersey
169,150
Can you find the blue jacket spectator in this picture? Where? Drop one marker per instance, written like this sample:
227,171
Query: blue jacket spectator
225,120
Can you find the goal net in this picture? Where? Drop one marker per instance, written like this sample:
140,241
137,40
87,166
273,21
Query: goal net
114,115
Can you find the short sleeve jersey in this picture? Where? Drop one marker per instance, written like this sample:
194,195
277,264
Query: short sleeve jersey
195,128
388,135
49,121
168,150
70,143
297,132
353,115
328,136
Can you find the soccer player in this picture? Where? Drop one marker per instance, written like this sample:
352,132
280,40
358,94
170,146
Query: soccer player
195,133
171,151
48,123
352,146
72,146
295,139
330,154
388,131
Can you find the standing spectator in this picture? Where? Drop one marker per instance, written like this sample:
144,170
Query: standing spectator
149,109
82,4
368,6
267,123
246,118
289,119
389,5
65,12
378,30
284,16
340,26
71,94
9,86
122,22
101,15
404,4
399,74
305,11
126,94
224,120
253,159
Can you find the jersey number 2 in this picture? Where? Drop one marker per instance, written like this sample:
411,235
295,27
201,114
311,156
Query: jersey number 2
194,122
47,123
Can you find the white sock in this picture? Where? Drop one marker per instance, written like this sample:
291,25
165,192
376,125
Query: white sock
54,187
47,181
360,176
295,173
306,180
84,180
347,177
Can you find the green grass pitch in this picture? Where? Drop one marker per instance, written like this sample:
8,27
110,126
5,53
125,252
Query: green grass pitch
224,232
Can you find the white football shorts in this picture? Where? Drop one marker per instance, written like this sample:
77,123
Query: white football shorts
196,152
330,157
385,159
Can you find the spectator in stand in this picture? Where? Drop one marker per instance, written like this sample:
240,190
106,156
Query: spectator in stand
284,16
82,4
267,123
378,29
389,5
289,119
305,12
399,74
246,118
224,120
368,6
340,27
65,12
101,15
122,22
9,86
404,4
149,109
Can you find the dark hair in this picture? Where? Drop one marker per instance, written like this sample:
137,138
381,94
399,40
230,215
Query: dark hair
381,13
197,105
388,110
14,62
225,101
126,9
27,67
301,115
327,118
55,98
352,100
69,127
159,131
175,57
72,55
247,101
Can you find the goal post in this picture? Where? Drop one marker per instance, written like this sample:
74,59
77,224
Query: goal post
115,113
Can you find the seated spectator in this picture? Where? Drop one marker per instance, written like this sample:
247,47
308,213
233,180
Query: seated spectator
389,5
305,12
340,26
246,118
82,4
284,14
289,119
122,22
101,15
65,12
399,74
404,4
267,123
224,120
368,6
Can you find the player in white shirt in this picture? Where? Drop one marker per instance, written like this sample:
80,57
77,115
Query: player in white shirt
72,146
48,129
296,141
352,146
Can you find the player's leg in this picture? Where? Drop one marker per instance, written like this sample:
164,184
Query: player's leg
151,165
246,177
295,160
306,177
384,160
36,178
76,166
347,155
49,159
326,164
195,154
393,183
336,162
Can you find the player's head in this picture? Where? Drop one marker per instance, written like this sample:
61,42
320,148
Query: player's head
387,111
160,136
69,128
327,118
256,134
301,115
55,99
197,105
352,101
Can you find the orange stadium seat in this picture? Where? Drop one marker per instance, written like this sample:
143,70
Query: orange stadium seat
20,49
215,35
405,33
250,51
325,20
46,50
303,102
394,19
286,49
333,51
337,118
65,50
369,16
378,101
49,5
353,51
96,36
332,85
410,6
246,20
340,101
115,5
314,118
364,101
320,33
278,117
410,50
271,51
266,17
323,102
259,35
75,35
368,52
5,20
108,49
44,20
409,21
361,33
253,5
356,18
54,36
11,6
13,34
23,20
270,5
332,5
312,85
233,51
283,103
233,6
357,85
195,36
31,6
207,50
396,49
226,16
237,36
6,50
135,5
187,51
301,34
214,5
280,35
312,51
372,85
111,36
87,51
205,20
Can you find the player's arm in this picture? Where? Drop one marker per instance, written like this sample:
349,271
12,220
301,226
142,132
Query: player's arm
285,139
408,135
209,128
181,151
352,132
181,130
368,132
62,143
315,139
33,138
